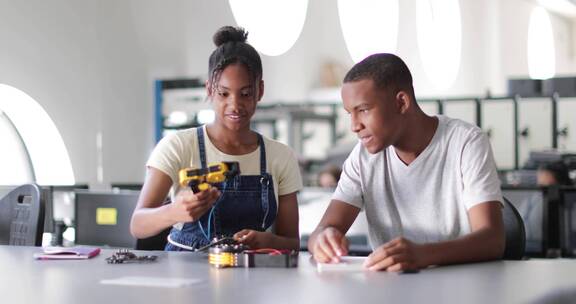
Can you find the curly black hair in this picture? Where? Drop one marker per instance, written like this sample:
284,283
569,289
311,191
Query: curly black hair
388,71
560,172
231,48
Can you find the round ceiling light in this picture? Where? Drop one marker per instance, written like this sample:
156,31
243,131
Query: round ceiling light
273,26
369,26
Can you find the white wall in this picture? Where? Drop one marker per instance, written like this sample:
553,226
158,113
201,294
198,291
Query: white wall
91,64
82,62
514,20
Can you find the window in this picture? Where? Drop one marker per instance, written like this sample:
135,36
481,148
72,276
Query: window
439,40
369,26
273,26
30,143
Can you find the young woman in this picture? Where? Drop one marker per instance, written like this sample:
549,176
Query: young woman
258,207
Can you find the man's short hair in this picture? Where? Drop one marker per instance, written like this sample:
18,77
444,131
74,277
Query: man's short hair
387,71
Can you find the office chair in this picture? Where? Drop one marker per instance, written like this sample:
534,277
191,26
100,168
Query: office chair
513,226
515,232
156,242
22,216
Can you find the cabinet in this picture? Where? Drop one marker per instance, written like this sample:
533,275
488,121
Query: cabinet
535,126
430,107
498,120
467,110
566,124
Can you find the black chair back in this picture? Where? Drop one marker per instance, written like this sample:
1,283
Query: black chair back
515,232
157,242
22,216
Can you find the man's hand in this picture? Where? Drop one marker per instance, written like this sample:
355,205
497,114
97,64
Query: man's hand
329,245
397,255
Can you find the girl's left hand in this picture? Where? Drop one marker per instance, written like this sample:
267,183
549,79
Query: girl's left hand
254,239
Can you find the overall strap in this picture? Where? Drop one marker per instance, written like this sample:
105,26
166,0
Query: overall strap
201,147
264,180
262,154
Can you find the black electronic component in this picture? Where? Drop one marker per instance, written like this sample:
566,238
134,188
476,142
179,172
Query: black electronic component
283,259
126,256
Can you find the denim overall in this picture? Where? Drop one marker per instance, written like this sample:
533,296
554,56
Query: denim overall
246,202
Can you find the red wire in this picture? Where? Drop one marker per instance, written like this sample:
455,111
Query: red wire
270,251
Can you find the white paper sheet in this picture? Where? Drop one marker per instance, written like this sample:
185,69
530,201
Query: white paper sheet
347,263
152,282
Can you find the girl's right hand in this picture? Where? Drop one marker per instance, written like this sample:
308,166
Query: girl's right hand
190,206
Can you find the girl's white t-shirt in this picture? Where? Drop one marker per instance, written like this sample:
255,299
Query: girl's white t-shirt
180,150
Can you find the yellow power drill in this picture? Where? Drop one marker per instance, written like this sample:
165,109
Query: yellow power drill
201,179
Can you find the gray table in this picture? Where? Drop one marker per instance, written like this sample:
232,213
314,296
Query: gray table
25,280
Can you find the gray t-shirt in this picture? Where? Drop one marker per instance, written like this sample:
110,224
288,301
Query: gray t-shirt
428,200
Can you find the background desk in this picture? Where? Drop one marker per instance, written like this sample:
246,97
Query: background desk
25,280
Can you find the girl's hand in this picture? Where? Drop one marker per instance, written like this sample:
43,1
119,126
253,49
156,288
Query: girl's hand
190,206
254,239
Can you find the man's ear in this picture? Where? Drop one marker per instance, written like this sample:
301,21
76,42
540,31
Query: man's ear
404,102
260,90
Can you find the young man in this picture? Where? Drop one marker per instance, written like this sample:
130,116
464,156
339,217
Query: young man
428,185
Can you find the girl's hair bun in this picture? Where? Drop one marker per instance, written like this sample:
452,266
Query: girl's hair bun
229,34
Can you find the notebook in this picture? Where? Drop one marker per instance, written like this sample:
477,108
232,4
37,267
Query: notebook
67,253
